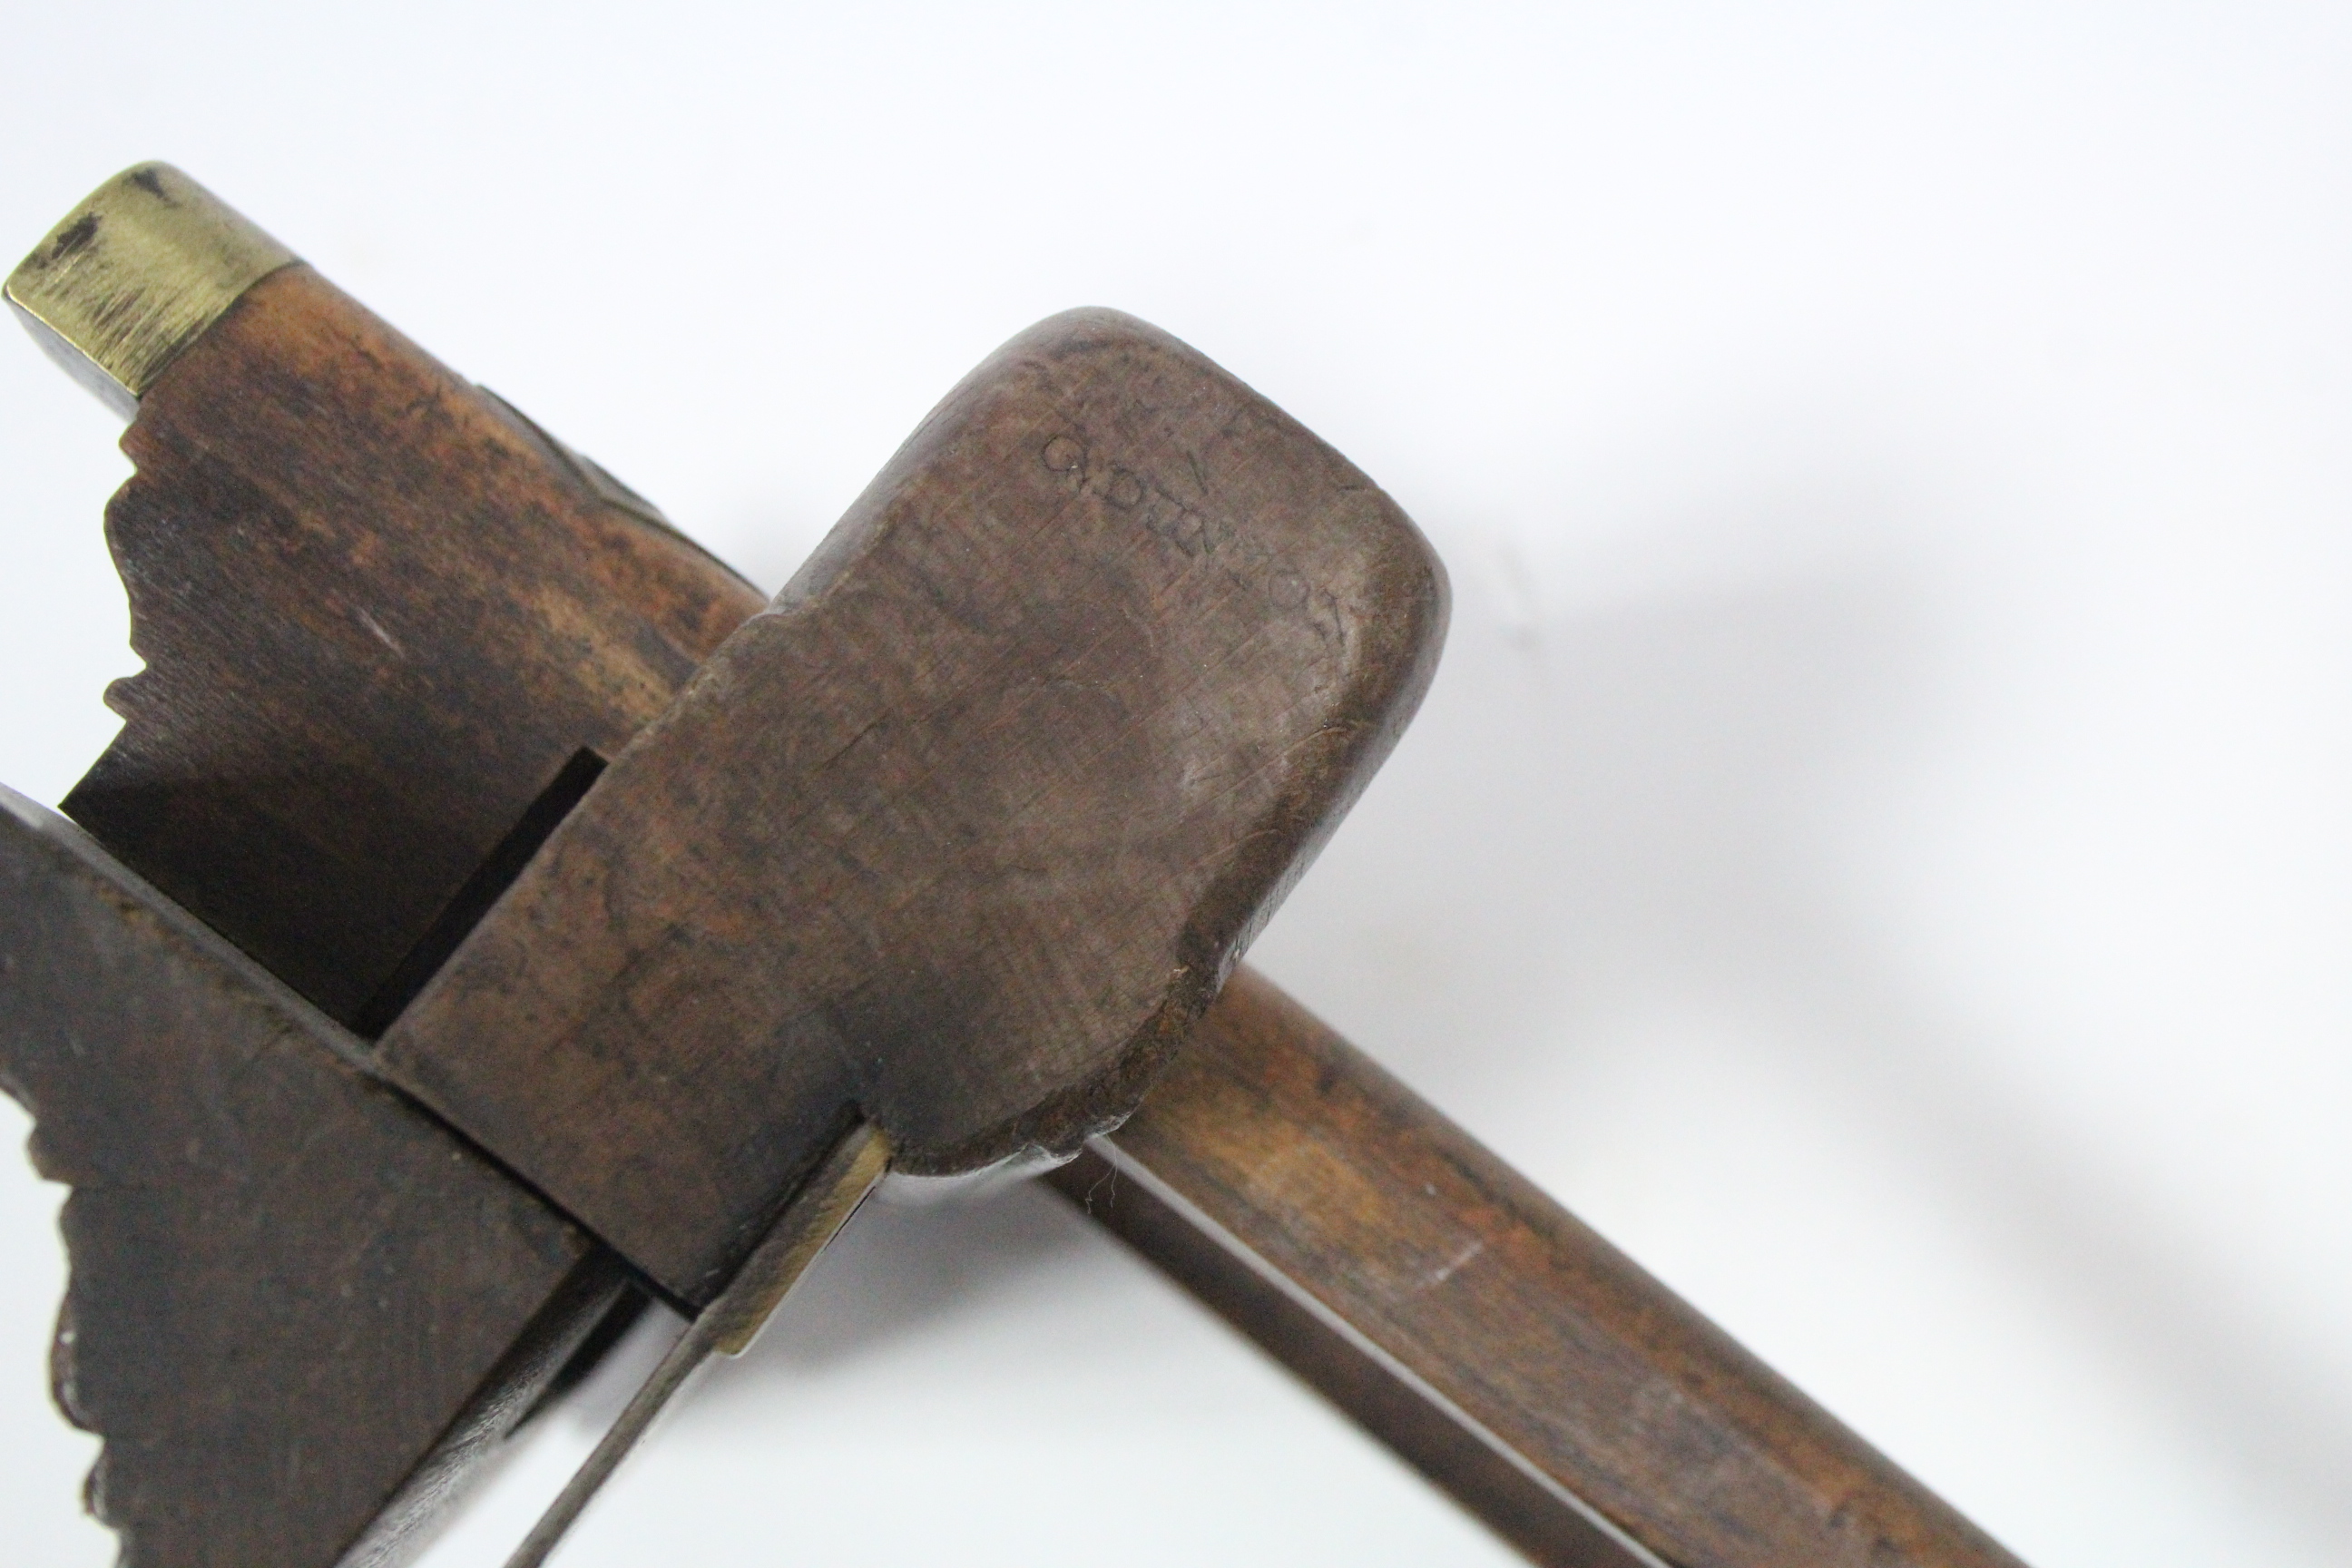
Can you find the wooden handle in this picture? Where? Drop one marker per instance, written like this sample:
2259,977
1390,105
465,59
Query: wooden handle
1562,1394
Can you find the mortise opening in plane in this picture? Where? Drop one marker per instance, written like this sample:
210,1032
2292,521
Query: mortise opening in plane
466,909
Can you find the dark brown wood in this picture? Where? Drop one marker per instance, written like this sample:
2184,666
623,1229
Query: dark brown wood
299,1307
1322,1176
963,834
383,618
324,794
381,614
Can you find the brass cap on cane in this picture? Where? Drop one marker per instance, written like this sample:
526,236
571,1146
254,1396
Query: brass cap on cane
134,276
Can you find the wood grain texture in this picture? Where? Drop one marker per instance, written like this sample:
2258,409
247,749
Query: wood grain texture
964,832
297,1305
1119,1194
322,792
379,614
1517,1323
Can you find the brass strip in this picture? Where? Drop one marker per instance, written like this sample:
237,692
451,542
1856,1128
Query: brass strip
134,276
729,1325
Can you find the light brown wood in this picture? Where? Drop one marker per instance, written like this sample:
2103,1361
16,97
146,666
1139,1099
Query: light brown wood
1478,1308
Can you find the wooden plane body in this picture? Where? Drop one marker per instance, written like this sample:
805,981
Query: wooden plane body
421,761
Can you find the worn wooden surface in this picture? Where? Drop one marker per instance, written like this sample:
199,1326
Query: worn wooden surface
298,1304
325,794
1489,1482
379,616
385,623
1517,1325
964,832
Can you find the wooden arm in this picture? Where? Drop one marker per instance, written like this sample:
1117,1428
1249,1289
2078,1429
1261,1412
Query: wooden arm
1570,1400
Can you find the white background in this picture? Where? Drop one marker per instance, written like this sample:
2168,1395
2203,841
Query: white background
1877,847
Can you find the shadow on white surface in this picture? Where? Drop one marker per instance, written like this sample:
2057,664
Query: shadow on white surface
1651,807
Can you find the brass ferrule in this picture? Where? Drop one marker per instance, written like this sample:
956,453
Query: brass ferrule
135,275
